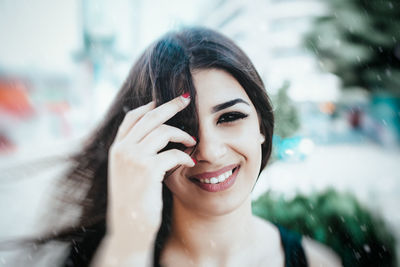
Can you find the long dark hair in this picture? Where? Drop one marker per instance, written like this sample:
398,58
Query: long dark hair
162,72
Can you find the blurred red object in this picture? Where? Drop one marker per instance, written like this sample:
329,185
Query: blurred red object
355,117
14,99
6,145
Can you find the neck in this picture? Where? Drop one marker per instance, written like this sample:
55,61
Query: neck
210,235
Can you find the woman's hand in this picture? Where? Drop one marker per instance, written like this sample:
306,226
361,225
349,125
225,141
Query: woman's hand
136,170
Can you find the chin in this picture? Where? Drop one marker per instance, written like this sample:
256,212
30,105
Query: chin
214,204
211,207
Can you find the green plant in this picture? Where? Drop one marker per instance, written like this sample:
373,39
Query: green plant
338,220
287,120
359,41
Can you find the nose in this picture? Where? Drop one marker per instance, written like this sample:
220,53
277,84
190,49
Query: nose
210,148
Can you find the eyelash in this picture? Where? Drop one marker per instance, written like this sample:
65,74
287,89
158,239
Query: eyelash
231,117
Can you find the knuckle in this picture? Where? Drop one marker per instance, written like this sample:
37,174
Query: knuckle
120,131
177,153
116,151
131,114
164,127
174,152
152,115
166,130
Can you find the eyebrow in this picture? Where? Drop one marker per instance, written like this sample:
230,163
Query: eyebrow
228,104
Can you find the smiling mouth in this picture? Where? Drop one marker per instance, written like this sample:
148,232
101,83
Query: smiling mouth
216,179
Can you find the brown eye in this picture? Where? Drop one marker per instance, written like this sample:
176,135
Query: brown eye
231,117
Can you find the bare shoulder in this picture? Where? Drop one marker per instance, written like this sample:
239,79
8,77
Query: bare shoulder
319,255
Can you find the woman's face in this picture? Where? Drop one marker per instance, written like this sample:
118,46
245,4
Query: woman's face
228,152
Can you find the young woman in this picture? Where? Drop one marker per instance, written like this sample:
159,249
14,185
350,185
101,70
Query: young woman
166,179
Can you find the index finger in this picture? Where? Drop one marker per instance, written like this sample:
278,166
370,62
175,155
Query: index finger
158,116
131,118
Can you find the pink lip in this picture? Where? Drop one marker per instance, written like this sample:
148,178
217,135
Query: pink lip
220,186
208,175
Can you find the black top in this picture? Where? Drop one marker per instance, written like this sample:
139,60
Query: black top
294,252
82,252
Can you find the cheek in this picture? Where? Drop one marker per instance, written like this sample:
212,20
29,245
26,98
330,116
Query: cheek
244,139
175,182
171,182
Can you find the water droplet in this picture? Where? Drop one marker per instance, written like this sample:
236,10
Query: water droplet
357,254
342,219
367,248
363,228
125,109
388,72
390,4
330,229
83,229
380,49
379,77
358,59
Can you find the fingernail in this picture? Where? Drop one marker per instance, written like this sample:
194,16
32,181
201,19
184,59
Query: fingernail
186,95
194,160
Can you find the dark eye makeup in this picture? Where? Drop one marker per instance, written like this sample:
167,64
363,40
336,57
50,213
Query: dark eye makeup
231,117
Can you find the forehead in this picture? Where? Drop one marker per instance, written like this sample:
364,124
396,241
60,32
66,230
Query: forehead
215,86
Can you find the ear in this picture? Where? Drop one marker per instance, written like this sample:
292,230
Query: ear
261,138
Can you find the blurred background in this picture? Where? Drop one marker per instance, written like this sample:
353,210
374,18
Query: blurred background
332,69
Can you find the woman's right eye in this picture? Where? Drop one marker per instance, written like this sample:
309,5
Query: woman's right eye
231,117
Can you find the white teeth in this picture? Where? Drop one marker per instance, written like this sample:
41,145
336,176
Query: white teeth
218,179
213,180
